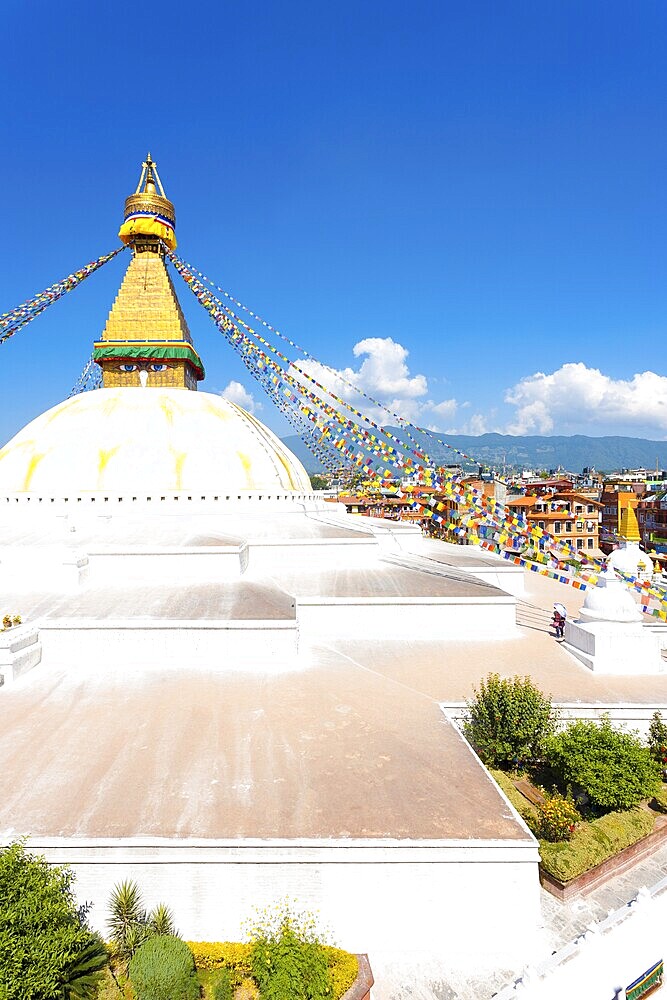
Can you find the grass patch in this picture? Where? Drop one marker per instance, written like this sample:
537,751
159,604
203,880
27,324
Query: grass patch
524,808
594,842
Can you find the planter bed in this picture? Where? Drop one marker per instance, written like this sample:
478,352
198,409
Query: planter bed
608,869
361,987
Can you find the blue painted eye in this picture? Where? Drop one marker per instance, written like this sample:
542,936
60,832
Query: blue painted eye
157,367
128,368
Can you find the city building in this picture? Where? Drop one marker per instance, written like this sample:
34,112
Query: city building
651,512
569,516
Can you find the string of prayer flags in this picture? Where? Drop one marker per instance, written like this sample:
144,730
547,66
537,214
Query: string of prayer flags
13,321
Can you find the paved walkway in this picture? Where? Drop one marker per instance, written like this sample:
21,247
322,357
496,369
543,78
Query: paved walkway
563,922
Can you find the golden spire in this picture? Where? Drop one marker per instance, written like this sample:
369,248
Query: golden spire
146,341
149,215
629,527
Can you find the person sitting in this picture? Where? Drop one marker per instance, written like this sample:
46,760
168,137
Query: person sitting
558,623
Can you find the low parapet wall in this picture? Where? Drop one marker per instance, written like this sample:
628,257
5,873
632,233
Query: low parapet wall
400,896
407,618
222,645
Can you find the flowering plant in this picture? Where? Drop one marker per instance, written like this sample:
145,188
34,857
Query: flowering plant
557,817
9,621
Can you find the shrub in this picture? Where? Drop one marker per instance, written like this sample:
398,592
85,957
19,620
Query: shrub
509,721
235,959
612,767
163,968
222,986
657,739
594,842
343,969
45,946
557,817
230,955
287,959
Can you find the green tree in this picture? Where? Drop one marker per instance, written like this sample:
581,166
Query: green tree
163,968
612,767
288,960
45,943
319,482
509,721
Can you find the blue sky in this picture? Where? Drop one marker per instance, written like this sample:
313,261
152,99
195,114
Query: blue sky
462,204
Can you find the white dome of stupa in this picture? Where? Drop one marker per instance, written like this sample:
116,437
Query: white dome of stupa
155,440
629,559
609,601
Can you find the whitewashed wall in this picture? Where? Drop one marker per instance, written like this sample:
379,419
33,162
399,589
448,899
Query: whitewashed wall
441,898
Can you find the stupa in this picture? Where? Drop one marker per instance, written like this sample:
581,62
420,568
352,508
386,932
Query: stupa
609,637
180,706
628,559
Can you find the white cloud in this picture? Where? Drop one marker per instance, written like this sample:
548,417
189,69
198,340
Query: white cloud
384,375
578,399
384,369
237,393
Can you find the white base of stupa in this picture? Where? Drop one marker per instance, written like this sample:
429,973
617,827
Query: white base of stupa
614,647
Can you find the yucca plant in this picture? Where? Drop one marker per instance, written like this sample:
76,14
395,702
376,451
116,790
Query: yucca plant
161,922
127,920
129,923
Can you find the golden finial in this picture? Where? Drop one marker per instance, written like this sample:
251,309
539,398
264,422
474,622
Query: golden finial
148,212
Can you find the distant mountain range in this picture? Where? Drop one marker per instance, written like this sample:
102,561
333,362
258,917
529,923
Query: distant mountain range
606,454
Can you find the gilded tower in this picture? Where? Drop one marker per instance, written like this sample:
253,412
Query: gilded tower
146,340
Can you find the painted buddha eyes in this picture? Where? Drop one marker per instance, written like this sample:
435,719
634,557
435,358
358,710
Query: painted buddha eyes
151,367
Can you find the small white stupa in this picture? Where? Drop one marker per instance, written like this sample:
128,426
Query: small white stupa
628,559
609,636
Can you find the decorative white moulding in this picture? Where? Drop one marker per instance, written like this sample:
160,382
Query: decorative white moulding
20,651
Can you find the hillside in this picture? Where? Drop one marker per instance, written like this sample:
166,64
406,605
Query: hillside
606,454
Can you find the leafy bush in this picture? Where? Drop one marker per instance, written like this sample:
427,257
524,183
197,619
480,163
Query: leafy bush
557,817
287,959
45,945
613,768
222,986
163,968
657,739
509,721
594,842
235,958
230,955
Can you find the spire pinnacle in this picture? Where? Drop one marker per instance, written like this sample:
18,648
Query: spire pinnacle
150,218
